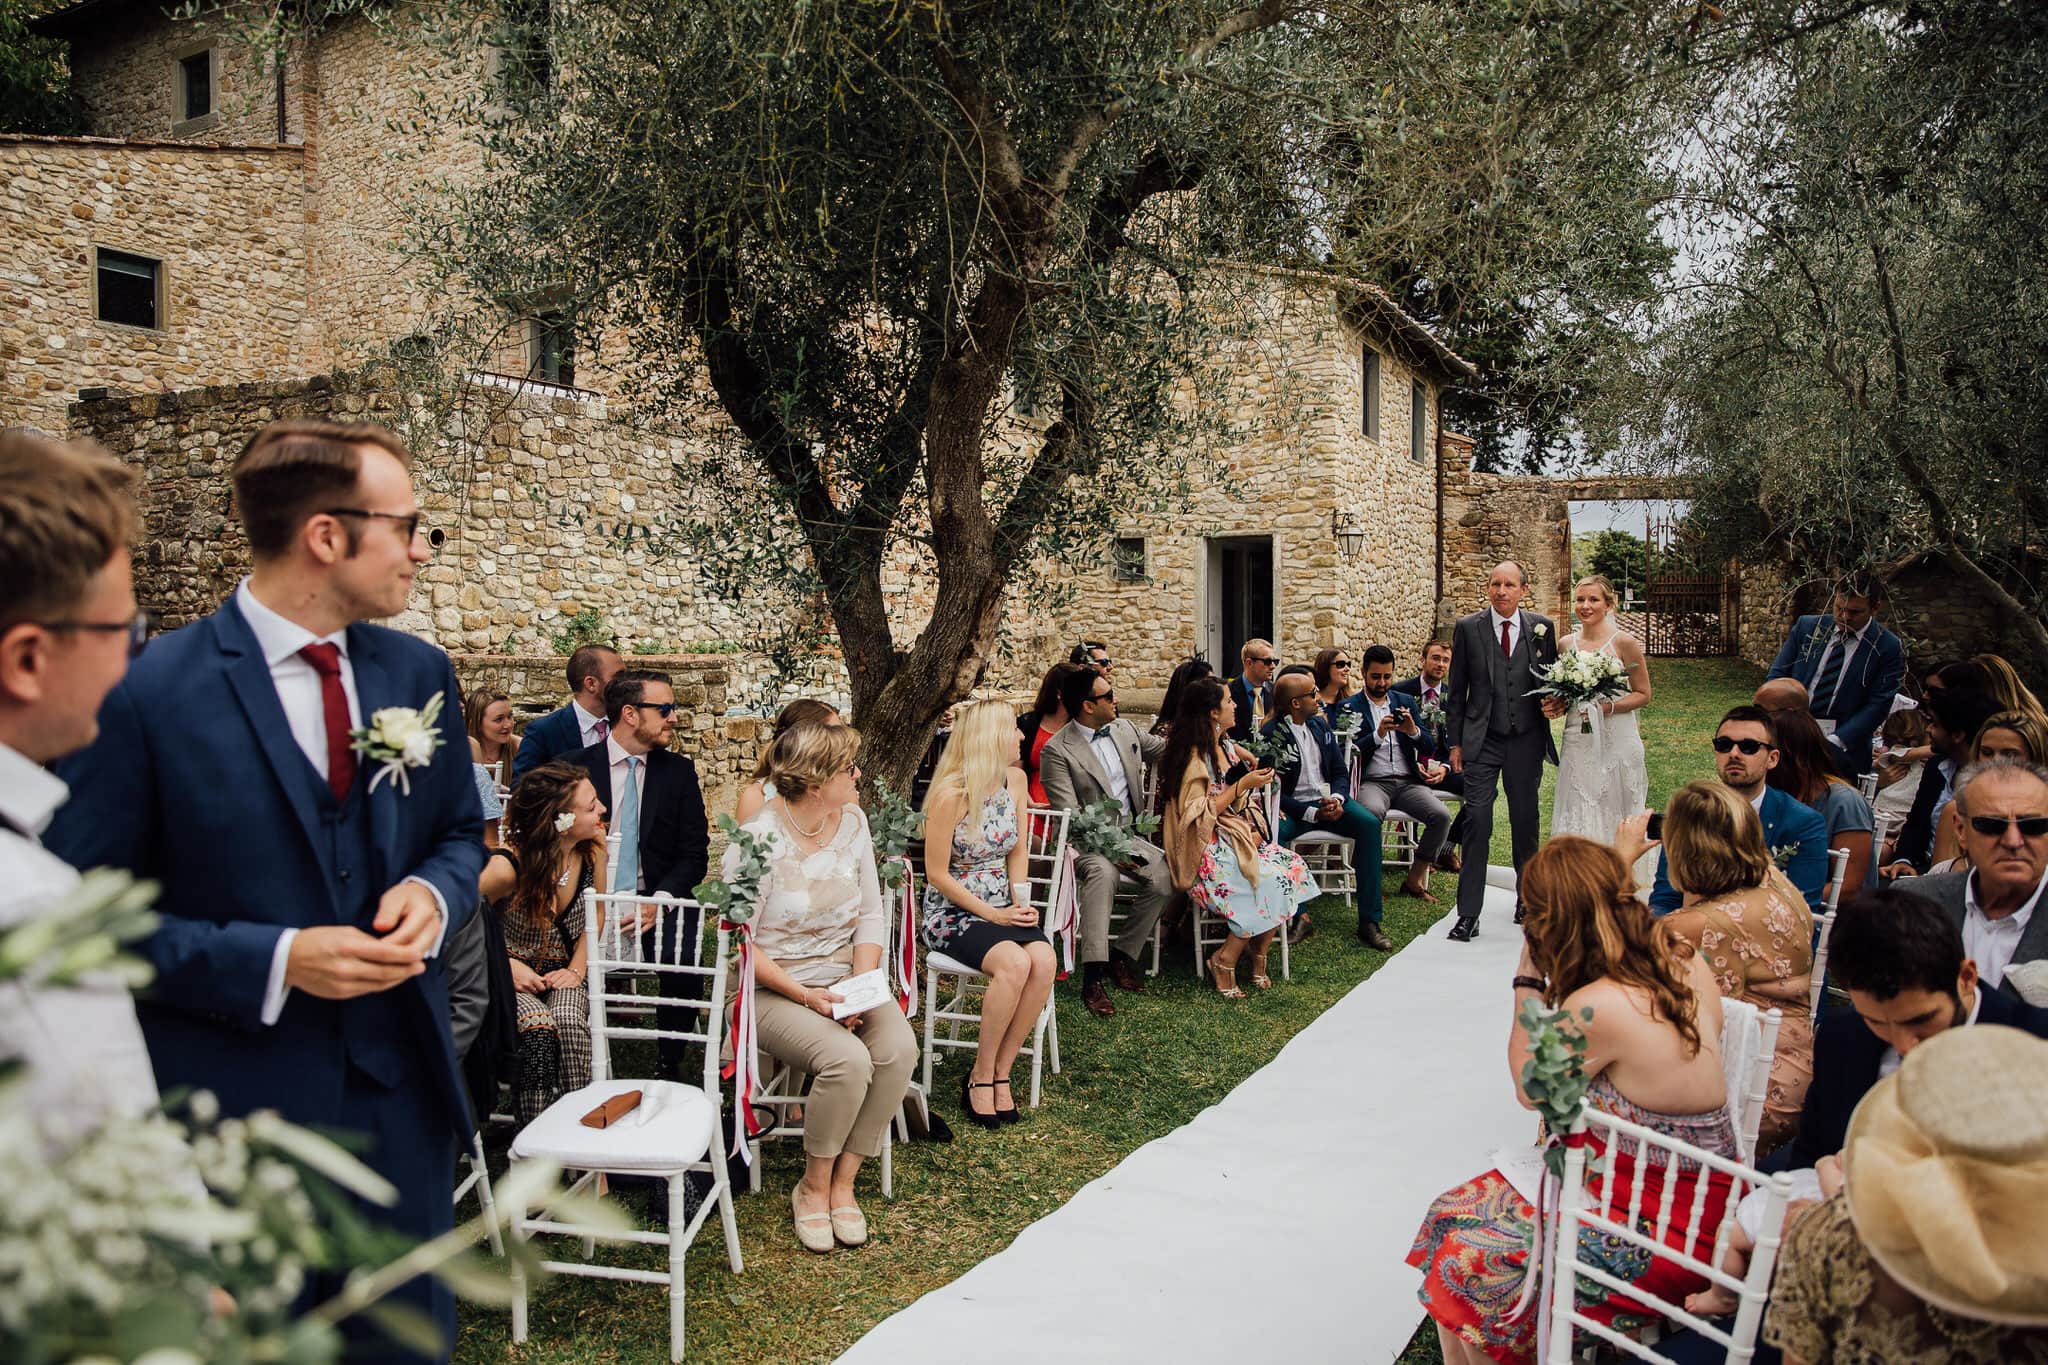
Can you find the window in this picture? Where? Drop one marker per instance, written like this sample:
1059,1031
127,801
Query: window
193,94
127,289
1127,559
1418,424
1371,373
554,350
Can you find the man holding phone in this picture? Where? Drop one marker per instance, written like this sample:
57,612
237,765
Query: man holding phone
1391,776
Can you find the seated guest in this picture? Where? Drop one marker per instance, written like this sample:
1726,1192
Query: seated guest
1781,694
577,724
1096,757
2013,734
1750,926
487,715
1898,770
553,852
757,791
819,919
1804,773
1745,751
1213,827
1851,668
1427,687
1654,1016
1995,903
1954,716
1315,797
1251,691
1332,672
1046,718
1392,773
1187,672
1926,1256
977,898
2002,681
1093,654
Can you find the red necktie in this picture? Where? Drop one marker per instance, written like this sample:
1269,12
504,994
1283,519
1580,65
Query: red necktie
341,758
1505,648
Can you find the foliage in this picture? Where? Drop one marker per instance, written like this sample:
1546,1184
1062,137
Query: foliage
735,895
586,627
1554,1077
1620,557
893,825
1276,752
1102,829
35,80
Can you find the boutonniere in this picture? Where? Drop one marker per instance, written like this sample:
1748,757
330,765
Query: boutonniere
1783,854
400,738
1540,631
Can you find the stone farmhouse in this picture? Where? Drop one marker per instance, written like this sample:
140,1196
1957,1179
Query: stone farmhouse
221,250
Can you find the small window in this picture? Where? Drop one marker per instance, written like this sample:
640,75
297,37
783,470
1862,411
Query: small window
1418,421
193,93
1127,559
554,350
1370,421
127,289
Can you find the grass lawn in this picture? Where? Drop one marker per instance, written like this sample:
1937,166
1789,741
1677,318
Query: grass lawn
1167,1055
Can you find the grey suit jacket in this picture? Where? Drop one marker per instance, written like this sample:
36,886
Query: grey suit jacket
1073,775
1479,680
1946,890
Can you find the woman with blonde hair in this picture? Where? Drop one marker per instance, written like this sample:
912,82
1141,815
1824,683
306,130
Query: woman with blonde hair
1602,776
819,919
1651,1019
756,793
2003,683
1752,927
977,901
487,715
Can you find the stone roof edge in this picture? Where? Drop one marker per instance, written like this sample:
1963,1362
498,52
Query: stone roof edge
1404,324
149,143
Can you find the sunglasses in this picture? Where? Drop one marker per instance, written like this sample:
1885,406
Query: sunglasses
136,628
1723,743
1262,659
1994,826
1104,696
667,708
1340,663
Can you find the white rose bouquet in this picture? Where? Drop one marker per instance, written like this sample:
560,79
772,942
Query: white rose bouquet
1583,679
400,738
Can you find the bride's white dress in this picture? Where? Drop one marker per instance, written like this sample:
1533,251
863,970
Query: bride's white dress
1601,777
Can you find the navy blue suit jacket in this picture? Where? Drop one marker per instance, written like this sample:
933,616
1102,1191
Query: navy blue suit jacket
1363,741
1328,752
1786,821
1863,695
196,782
558,734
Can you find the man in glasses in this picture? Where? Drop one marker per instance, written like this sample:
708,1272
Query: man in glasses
1996,900
298,958
1745,750
1251,691
1093,654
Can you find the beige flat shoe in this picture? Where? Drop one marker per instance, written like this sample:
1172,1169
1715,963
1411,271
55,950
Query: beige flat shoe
849,1225
814,1230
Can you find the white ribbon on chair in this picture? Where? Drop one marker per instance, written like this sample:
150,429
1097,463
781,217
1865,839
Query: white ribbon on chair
1066,907
1542,1267
744,1070
904,968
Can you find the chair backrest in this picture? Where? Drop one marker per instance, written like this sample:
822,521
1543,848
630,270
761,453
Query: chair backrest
1045,848
1867,786
1623,1221
611,858
617,957
1838,868
1749,1043
496,768
1823,930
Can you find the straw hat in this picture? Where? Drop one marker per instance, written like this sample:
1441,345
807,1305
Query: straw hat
1947,1169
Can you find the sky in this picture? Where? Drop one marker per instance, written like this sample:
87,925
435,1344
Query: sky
1623,516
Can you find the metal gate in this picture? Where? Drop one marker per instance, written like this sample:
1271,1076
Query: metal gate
1692,609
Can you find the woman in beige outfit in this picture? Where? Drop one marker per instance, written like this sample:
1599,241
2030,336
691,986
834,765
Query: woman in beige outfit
817,920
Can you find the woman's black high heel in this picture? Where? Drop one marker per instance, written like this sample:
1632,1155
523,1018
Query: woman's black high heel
967,1086
1009,1115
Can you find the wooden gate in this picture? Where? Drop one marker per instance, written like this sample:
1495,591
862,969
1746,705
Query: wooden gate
1692,609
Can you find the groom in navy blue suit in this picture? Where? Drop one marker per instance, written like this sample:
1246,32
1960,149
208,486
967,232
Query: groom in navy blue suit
297,962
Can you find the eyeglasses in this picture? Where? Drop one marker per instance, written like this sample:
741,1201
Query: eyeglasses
409,520
136,629
1723,743
1994,826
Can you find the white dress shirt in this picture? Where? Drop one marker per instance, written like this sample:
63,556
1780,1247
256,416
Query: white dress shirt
1891,1059
1992,942
1513,623
1308,781
84,1049
620,768
1386,760
298,692
1103,745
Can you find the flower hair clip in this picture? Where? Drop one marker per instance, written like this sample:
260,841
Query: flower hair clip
563,821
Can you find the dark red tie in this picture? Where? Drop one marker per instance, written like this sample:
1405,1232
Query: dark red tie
341,759
1505,648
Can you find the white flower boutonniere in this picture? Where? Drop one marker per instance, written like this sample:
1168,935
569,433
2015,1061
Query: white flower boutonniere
400,738
1540,630
1783,854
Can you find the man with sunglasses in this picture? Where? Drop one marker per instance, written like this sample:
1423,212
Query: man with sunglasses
1251,691
1745,751
653,803
1996,900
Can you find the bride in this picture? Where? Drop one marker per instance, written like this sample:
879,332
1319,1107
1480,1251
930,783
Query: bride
1601,780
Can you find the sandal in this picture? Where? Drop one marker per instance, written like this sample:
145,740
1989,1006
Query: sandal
969,1085
1226,980
1259,977
814,1230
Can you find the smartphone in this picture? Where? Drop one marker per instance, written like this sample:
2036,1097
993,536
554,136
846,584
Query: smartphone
1656,826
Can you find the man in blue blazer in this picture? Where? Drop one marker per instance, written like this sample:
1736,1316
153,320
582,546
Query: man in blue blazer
1251,691
1745,749
307,890
1315,796
579,722
1851,667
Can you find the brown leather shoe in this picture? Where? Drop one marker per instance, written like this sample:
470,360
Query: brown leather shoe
1447,861
1096,998
1375,938
1417,888
1124,974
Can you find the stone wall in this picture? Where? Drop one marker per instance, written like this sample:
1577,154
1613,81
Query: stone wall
226,222
126,77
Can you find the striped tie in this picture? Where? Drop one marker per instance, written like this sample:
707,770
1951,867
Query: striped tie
1829,681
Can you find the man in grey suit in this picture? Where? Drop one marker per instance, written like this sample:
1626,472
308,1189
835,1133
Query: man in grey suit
1499,733
1097,756
1996,903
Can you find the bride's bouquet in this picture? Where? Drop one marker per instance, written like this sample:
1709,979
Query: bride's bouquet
1583,679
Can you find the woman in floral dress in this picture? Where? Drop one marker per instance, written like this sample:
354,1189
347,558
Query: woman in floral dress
977,901
1214,830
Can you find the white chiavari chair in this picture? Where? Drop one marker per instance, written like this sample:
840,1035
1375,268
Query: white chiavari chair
1749,1044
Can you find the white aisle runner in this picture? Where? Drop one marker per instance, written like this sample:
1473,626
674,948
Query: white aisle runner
1274,1225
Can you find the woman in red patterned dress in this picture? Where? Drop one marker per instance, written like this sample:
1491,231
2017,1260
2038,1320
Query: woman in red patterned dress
1652,1056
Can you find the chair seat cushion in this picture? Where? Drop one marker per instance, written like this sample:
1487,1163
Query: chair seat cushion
674,1134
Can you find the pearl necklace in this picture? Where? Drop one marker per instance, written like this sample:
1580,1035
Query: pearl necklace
811,834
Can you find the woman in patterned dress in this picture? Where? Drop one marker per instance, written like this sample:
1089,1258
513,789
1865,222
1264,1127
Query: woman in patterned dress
977,902
1213,828
1653,1057
1753,929
534,884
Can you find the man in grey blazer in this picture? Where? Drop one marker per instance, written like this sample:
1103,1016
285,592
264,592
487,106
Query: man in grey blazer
1499,733
1996,903
1099,755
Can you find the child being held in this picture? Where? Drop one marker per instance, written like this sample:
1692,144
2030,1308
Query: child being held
1808,1187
